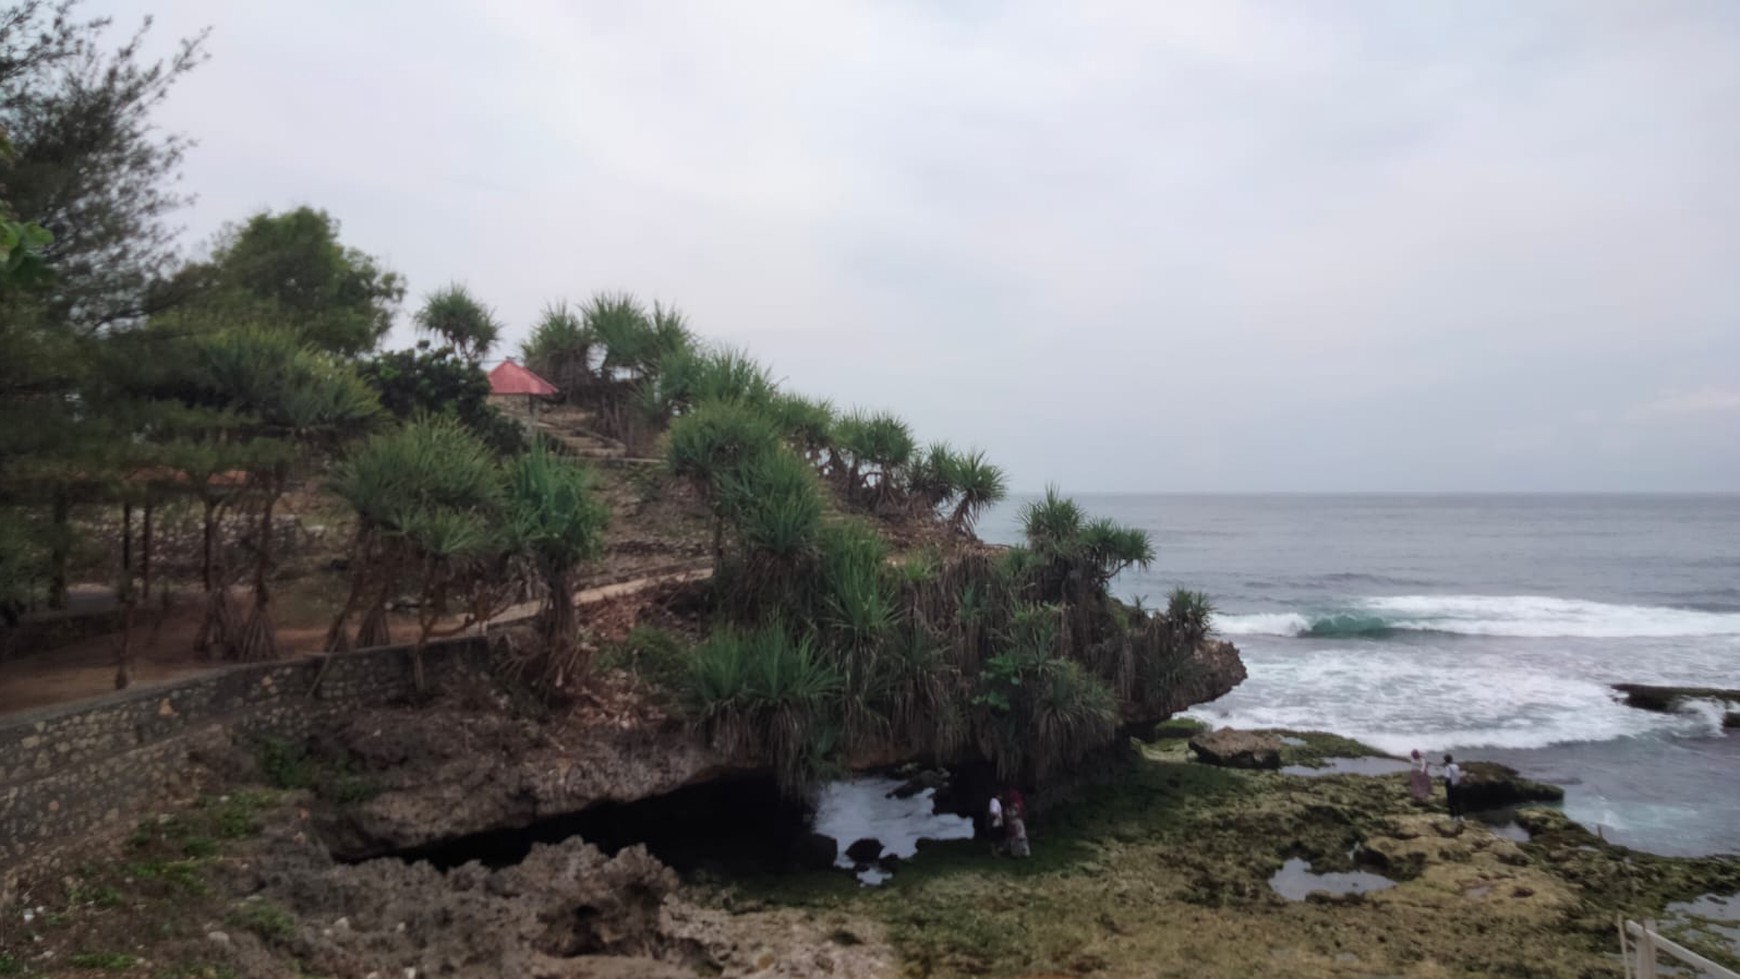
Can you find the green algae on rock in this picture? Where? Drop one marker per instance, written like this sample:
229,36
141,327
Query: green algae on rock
1167,868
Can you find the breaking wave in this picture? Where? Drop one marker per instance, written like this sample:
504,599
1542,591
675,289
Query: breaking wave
1524,616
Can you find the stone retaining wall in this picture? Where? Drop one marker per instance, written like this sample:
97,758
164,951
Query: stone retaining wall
73,773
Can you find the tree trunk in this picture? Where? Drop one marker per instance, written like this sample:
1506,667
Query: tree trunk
124,652
206,544
560,627
338,635
145,556
59,550
127,541
259,641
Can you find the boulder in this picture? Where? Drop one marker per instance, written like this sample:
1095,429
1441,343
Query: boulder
865,850
1489,785
1237,749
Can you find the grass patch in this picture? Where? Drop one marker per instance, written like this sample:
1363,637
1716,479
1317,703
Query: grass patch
1320,746
96,895
10,966
176,876
291,765
265,919
285,764
107,961
657,656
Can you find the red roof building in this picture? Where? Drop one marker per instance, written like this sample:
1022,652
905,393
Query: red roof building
510,378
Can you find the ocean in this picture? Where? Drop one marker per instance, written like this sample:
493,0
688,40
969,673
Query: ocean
1490,626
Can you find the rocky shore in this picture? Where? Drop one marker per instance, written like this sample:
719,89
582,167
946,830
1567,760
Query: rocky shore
1166,863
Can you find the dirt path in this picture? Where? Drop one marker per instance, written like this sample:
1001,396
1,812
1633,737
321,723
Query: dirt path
163,646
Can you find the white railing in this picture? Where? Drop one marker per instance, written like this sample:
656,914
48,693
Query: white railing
1642,965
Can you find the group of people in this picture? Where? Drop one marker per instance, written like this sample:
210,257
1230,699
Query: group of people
1007,819
1421,779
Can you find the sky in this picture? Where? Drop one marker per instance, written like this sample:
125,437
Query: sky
1122,246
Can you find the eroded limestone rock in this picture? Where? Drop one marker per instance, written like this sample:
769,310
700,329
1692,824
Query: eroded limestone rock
1230,748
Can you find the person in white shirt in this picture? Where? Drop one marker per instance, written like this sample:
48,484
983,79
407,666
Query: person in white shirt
1453,787
994,819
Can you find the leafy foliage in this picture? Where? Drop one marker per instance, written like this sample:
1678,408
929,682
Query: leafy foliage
437,381
459,321
290,269
766,695
559,523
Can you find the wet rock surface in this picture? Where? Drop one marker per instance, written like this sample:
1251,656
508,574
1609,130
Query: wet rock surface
1230,748
1667,699
1489,785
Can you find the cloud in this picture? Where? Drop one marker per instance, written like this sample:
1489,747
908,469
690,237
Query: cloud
1704,401
1217,245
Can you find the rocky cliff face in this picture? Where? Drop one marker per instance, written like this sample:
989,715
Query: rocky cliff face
438,773
451,770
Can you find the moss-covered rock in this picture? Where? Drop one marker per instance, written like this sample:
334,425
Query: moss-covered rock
1229,748
1489,785
1171,863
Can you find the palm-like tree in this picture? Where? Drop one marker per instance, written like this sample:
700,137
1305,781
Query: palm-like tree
775,507
294,402
879,447
978,485
708,447
561,347
455,317
429,503
559,521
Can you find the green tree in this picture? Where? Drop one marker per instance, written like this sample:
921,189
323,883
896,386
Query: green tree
460,321
426,380
978,485
88,162
709,447
559,522
294,403
431,516
291,270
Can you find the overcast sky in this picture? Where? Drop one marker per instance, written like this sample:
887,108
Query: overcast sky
1120,246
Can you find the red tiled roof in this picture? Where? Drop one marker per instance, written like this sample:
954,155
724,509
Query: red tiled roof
511,378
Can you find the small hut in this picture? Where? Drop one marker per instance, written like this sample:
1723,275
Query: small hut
509,382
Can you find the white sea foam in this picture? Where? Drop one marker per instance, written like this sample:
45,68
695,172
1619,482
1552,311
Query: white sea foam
1462,694
1522,616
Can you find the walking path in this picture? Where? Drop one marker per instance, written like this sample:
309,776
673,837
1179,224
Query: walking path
163,645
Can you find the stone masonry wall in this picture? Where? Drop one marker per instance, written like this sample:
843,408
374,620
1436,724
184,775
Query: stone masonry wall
72,774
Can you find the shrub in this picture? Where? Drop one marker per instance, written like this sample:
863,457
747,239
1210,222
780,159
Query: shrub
765,695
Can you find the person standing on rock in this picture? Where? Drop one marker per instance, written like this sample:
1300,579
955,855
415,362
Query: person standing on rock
994,822
1453,787
1015,818
1420,778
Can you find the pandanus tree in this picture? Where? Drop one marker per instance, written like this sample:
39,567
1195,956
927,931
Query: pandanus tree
774,504
294,403
559,522
561,347
457,319
708,447
878,447
430,518
978,485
